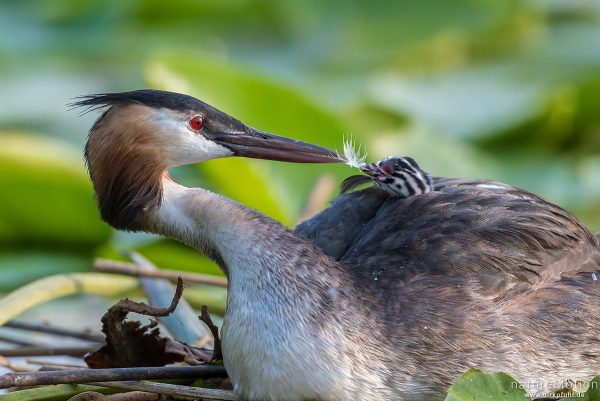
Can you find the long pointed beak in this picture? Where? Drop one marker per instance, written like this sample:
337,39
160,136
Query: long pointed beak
261,145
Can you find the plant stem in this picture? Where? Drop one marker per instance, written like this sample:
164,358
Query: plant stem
130,269
172,390
116,374
59,331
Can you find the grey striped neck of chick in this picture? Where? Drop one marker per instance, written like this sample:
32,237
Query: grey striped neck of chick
399,176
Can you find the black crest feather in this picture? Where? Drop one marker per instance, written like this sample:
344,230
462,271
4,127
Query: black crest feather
148,97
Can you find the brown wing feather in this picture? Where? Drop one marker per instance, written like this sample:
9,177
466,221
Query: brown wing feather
502,237
336,227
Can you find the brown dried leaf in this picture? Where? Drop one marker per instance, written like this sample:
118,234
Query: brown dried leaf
130,344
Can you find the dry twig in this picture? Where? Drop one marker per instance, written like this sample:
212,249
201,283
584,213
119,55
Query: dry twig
173,390
70,376
10,365
46,351
183,323
217,355
59,331
130,269
122,308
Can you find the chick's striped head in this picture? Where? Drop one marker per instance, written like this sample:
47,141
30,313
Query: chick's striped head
399,176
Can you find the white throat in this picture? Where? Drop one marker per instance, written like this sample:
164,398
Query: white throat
274,347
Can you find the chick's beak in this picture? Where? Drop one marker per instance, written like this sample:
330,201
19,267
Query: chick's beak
261,145
383,168
371,169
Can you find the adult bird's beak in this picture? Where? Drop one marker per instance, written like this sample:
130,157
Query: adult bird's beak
261,145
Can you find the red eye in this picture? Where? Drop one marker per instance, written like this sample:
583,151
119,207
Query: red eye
197,123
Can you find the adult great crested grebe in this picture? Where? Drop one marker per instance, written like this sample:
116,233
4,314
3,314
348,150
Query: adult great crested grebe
378,297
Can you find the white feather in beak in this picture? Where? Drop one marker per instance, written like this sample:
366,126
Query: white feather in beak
355,155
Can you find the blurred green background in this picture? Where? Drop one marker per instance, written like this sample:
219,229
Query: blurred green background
508,90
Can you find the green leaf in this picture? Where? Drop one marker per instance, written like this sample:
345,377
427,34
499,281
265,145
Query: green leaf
46,196
59,392
569,182
170,254
474,385
248,185
439,160
213,297
496,100
255,99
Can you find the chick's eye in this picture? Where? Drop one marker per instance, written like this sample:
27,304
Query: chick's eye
197,123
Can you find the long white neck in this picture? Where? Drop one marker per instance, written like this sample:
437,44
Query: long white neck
288,304
243,240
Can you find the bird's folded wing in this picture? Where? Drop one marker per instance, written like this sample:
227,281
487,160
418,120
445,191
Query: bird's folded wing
501,237
336,227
